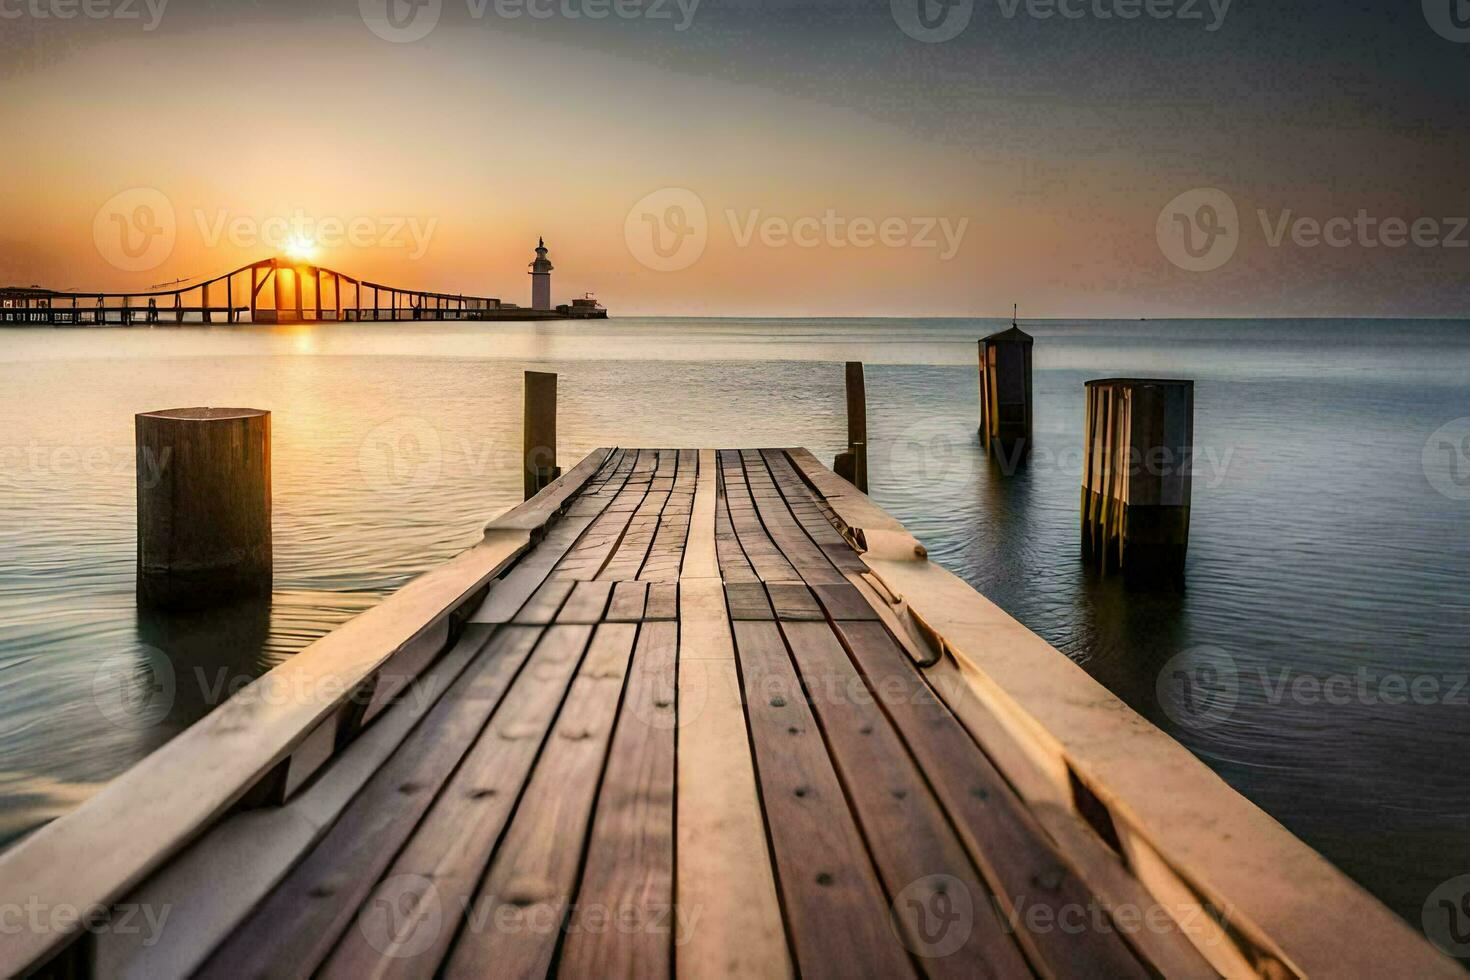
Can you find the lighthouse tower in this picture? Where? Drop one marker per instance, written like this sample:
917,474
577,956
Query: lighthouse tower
541,279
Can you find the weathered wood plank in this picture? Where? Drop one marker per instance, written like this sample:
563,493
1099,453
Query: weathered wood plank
724,866
294,928
508,594
586,604
524,897
94,854
405,928
782,527
794,601
628,600
700,551
941,903
663,601
544,605
835,908
1006,842
844,602
765,556
747,600
254,849
624,922
734,566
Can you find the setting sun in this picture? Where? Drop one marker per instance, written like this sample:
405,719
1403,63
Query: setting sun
301,248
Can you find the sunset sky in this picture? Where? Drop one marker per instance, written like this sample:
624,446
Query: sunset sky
1046,147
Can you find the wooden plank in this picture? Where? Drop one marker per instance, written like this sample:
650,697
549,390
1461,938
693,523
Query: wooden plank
297,924
663,601
628,600
536,513
782,527
532,878
96,853
941,904
1007,843
623,923
764,554
253,849
844,602
734,566
592,553
836,910
818,520
700,551
508,594
546,603
747,600
586,604
795,602
433,879
724,866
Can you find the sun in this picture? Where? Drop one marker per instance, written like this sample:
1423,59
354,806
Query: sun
301,248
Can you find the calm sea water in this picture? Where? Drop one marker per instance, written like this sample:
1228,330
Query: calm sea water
1325,568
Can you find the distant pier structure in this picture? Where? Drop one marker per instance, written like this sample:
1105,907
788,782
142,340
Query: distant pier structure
541,278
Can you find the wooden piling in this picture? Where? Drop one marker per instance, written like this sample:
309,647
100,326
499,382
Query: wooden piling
1005,394
539,435
852,465
204,506
1136,479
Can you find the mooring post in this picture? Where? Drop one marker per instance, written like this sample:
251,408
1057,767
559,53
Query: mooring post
204,506
1136,478
852,465
1005,394
539,437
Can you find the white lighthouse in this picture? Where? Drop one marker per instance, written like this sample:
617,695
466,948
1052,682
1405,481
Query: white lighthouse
541,279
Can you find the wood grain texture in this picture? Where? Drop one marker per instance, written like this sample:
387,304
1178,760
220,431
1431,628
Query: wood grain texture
515,921
293,929
836,910
405,927
624,922
940,902
1023,870
724,874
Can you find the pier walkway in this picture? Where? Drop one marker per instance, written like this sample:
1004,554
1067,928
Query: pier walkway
694,713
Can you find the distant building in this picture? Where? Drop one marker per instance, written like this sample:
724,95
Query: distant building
541,279
585,308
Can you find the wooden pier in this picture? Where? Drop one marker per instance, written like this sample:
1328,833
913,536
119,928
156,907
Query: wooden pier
696,713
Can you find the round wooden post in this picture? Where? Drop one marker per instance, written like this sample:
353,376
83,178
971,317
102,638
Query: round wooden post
204,506
539,437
